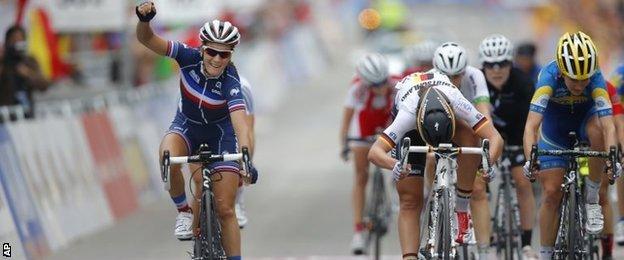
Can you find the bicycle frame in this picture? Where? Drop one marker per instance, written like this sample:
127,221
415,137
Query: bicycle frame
208,243
441,203
572,215
506,218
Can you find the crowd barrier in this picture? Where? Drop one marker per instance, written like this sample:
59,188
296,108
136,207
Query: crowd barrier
76,170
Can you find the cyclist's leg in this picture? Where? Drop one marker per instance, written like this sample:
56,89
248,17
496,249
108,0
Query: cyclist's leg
480,209
361,164
411,200
596,165
468,164
177,146
607,212
225,184
550,179
526,203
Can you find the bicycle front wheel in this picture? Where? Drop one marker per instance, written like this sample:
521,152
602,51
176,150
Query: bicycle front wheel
444,225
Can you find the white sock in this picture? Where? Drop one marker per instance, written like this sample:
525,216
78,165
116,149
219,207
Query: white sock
546,252
591,191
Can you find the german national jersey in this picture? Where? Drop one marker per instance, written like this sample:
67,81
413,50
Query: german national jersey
205,99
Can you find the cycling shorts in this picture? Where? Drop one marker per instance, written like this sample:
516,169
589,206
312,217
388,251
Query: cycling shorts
219,136
554,136
416,160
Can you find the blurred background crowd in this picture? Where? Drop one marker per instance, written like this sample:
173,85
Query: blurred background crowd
79,60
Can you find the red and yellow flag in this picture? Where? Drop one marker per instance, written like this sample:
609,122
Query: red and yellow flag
44,47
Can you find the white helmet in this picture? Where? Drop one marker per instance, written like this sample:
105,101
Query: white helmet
423,51
219,32
373,68
495,48
450,58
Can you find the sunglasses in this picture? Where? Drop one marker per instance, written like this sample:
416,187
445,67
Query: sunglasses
213,53
500,64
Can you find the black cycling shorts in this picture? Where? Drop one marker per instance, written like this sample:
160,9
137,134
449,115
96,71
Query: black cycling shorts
515,157
416,160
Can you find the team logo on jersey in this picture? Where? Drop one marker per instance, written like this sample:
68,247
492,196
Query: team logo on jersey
234,92
427,76
218,85
194,76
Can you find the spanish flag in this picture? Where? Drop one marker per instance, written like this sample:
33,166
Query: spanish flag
44,47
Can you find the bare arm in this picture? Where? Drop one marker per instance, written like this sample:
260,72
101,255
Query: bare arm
346,121
530,131
241,129
146,35
250,123
378,154
610,137
619,128
484,109
488,131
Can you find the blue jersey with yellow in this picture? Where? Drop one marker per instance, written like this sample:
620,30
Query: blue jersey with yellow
564,112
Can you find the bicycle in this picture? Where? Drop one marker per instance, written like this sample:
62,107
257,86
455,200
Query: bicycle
207,245
440,227
572,239
592,242
377,208
506,218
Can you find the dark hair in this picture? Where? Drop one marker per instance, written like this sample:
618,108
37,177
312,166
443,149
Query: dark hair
12,30
526,49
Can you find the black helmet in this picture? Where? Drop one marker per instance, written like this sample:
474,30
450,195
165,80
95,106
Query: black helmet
435,117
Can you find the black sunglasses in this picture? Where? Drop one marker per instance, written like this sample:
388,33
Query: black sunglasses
500,64
212,52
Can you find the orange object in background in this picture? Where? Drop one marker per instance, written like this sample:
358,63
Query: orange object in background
369,19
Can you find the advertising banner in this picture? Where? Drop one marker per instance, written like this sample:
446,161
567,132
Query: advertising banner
175,12
20,202
88,15
110,166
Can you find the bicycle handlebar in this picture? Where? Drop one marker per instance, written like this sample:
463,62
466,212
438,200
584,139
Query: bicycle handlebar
611,155
205,156
484,151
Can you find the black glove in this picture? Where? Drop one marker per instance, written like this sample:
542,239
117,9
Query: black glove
145,18
253,174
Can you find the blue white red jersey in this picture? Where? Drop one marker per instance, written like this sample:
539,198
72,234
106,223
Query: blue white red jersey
205,100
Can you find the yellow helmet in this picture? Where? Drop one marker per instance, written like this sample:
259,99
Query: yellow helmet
577,56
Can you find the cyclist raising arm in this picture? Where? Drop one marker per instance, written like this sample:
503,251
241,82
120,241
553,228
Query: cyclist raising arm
411,189
570,95
211,110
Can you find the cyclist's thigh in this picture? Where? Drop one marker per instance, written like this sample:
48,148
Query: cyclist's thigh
551,180
224,185
416,160
464,135
360,158
175,143
410,191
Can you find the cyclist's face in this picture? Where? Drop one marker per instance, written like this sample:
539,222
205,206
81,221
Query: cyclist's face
576,87
216,57
456,79
497,73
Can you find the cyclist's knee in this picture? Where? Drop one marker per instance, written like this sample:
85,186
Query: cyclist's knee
409,201
524,188
175,144
479,193
551,197
225,210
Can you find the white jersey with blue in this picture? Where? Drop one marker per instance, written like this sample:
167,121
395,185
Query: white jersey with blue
247,95
203,99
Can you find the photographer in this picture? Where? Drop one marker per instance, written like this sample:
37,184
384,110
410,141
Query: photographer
19,73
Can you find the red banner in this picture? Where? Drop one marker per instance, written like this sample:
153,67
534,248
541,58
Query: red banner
109,162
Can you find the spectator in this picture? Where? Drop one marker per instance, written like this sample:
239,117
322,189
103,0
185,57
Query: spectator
19,72
525,60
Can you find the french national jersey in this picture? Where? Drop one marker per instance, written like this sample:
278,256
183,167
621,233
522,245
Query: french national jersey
205,100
